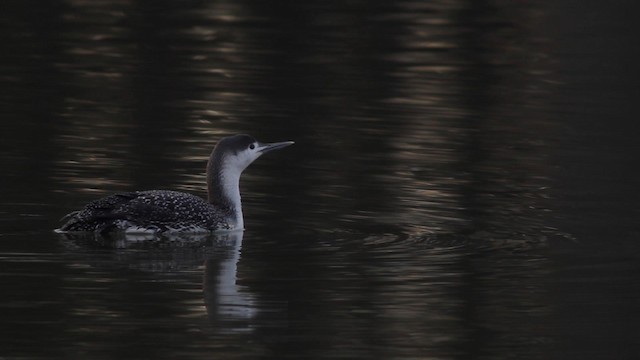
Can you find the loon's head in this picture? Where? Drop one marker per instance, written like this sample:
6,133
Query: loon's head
229,158
235,153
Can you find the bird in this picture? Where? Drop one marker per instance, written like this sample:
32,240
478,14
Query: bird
167,211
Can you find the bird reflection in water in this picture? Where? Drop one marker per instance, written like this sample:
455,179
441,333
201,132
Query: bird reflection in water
230,307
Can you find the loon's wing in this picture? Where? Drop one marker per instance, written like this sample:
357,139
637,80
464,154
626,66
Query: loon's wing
69,216
97,211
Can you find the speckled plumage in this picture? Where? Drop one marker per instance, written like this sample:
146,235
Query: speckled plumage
153,210
162,211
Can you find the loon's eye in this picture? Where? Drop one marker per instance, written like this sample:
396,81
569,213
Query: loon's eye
252,146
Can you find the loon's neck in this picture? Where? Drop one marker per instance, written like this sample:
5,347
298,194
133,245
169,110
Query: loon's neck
223,187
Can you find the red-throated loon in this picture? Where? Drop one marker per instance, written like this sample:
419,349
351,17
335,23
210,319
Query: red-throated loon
159,211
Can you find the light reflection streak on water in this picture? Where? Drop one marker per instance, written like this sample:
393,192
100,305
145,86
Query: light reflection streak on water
95,148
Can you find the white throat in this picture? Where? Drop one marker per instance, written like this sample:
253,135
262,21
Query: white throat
230,183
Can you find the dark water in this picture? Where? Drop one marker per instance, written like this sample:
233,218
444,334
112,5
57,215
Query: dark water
464,182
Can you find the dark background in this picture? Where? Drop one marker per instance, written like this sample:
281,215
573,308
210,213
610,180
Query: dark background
463,184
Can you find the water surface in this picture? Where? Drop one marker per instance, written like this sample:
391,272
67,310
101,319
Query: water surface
463,183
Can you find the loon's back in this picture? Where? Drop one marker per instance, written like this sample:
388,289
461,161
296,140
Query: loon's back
149,211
